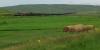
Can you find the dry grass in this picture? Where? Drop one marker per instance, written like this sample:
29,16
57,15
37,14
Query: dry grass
50,40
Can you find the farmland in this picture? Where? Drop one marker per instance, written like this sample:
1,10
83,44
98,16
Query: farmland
46,33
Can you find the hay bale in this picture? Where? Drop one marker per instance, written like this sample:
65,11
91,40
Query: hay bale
79,28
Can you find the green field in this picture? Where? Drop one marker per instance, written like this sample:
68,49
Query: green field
46,33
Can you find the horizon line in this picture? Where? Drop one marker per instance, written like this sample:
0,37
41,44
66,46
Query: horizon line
48,4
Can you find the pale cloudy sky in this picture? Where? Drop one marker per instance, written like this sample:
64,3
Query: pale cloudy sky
17,2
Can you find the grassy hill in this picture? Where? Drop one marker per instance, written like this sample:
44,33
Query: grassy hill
52,8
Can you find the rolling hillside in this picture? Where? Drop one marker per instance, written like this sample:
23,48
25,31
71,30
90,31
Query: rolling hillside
52,8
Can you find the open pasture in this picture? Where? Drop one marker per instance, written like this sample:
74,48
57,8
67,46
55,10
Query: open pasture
46,33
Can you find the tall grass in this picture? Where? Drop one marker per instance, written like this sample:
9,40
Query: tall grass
23,33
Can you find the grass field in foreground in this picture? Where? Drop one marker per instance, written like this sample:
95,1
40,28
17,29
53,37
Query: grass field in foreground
46,33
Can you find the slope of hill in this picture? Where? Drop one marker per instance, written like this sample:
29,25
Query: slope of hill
52,8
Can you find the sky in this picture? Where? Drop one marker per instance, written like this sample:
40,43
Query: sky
18,2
